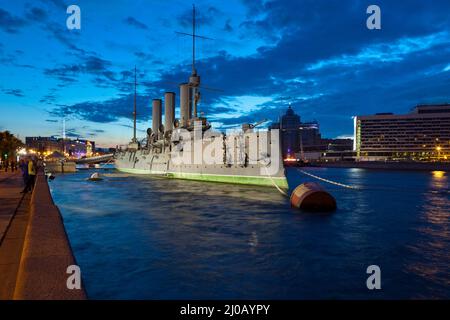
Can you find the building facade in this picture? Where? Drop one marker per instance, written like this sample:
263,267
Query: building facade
422,135
44,144
295,135
73,148
290,138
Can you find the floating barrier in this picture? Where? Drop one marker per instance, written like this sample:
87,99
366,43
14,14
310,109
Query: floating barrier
95,177
311,196
49,176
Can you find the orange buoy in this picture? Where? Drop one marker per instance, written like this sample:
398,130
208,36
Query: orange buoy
311,196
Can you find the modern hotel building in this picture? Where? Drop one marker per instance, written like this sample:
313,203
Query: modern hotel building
422,135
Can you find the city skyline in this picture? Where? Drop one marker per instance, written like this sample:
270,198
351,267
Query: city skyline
318,56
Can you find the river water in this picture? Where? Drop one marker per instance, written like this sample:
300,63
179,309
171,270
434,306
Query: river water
141,237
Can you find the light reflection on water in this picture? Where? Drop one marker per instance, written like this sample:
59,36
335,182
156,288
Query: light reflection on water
435,261
153,238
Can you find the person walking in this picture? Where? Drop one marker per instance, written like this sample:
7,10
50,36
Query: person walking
6,165
23,165
31,176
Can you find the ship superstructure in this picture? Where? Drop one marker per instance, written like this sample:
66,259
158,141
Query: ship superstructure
187,148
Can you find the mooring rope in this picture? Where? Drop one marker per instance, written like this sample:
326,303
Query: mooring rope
329,181
276,186
103,165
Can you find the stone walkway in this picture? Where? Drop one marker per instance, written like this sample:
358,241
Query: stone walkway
34,249
14,216
10,186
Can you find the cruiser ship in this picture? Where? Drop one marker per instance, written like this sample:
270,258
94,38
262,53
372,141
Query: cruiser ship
188,148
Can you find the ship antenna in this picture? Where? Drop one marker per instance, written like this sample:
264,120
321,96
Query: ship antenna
134,112
194,36
193,39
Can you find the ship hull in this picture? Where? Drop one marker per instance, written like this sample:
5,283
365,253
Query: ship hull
281,182
136,163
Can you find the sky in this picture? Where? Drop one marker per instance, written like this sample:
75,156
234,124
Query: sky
317,55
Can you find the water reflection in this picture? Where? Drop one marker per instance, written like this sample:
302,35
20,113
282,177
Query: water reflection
138,237
434,234
437,175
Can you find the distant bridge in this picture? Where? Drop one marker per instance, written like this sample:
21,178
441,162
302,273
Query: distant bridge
97,159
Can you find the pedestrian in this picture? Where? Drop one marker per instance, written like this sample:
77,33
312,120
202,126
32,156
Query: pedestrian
6,165
13,165
24,168
31,176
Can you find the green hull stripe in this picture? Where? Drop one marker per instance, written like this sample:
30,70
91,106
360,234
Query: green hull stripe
235,179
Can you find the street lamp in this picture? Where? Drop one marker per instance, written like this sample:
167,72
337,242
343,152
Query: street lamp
438,149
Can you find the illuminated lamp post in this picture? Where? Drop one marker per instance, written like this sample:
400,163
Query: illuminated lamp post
438,149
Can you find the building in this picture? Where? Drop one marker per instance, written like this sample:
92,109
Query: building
79,148
296,135
43,144
310,135
421,135
290,138
72,148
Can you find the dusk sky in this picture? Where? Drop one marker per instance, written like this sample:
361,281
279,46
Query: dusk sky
317,55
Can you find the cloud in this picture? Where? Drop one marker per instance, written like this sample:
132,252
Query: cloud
131,127
144,56
204,17
14,92
10,23
91,65
11,58
95,132
319,53
48,98
61,4
227,27
386,52
73,133
106,111
36,14
135,23
58,31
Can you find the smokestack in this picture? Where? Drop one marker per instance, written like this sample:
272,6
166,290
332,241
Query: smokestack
184,104
156,115
169,110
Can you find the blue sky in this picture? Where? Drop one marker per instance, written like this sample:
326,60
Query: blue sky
317,55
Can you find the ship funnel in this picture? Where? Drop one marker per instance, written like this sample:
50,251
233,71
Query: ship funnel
169,110
156,115
185,112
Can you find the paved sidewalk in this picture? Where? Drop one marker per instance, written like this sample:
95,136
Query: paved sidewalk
10,186
14,216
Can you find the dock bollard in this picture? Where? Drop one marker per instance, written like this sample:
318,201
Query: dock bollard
311,196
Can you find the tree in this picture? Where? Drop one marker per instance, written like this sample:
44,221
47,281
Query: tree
9,145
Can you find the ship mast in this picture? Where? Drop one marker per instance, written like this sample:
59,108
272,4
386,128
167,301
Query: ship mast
193,40
194,79
134,112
